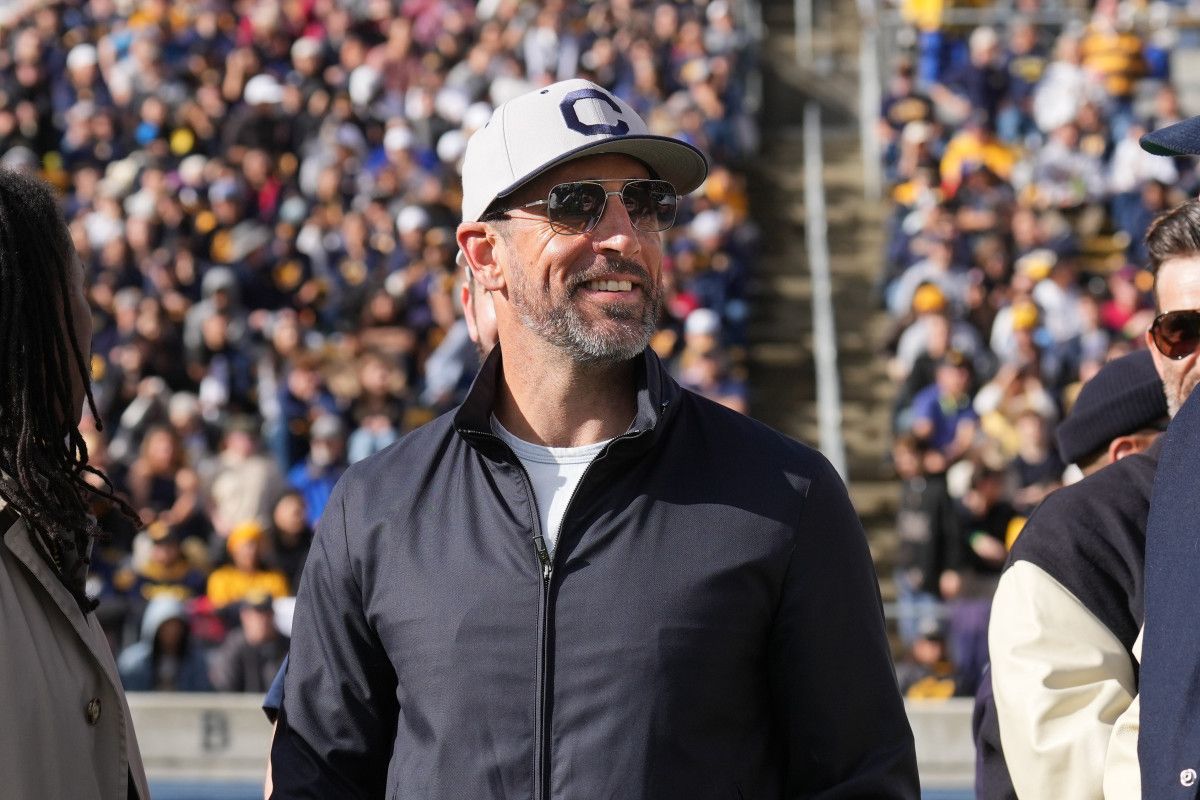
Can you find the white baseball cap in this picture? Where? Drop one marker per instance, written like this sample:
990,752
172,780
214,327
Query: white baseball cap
702,322
82,55
541,129
306,47
412,218
397,137
262,90
362,85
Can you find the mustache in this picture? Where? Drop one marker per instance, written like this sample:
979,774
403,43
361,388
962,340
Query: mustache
610,265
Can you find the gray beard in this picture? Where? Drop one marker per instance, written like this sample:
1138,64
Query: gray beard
558,321
1174,401
1176,397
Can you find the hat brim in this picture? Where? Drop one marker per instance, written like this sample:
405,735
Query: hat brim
1180,139
670,159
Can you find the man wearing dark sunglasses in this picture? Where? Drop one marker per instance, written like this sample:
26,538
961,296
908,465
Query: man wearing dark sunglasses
587,582
1102,666
1164,720
1067,622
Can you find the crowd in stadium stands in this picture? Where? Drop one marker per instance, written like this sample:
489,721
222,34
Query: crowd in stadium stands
1013,272
264,196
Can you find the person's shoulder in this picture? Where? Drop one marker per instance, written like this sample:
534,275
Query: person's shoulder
235,642
223,573
926,395
742,433
1130,477
715,455
297,473
1104,506
1090,537
1109,486
411,452
275,579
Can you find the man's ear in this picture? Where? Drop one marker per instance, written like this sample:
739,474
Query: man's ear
479,246
1122,446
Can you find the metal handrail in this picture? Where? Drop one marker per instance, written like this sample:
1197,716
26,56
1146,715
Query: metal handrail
829,402
803,16
829,393
870,98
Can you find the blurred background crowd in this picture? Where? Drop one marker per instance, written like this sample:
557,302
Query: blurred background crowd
1014,270
263,196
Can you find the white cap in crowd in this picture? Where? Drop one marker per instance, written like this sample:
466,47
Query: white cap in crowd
262,90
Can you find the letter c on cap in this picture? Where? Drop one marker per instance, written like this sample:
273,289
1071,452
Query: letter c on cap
567,106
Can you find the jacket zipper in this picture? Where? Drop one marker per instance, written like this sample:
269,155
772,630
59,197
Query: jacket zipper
541,789
541,765
545,559
541,753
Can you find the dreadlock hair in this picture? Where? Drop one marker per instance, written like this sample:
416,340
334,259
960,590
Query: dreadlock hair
43,456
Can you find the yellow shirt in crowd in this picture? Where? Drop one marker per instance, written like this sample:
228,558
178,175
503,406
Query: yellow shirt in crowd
926,15
229,584
1116,56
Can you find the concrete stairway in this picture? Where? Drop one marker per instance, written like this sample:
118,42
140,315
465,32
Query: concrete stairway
781,368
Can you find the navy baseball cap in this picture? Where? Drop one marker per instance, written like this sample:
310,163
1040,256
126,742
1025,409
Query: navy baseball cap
1180,139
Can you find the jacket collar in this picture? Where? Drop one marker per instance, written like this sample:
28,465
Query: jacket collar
657,395
17,539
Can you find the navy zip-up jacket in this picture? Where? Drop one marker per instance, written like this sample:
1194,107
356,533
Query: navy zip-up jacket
709,625
1169,735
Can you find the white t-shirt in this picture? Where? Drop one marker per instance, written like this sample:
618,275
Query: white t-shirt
554,473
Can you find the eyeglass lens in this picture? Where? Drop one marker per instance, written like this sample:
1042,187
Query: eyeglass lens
1176,333
577,207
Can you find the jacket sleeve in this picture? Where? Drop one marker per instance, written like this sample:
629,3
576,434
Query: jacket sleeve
273,700
1122,774
840,716
1061,679
992,781
338,717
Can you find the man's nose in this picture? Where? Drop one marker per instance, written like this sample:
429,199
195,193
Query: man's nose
615,232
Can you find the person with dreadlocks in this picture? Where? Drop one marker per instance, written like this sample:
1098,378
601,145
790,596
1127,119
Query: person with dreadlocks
68,732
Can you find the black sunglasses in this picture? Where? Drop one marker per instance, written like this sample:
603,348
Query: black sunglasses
1176,334
577,207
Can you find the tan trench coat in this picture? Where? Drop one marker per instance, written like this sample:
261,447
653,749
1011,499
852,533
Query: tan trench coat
65,729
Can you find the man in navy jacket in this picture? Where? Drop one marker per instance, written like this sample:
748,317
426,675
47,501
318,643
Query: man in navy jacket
587,582
1169,735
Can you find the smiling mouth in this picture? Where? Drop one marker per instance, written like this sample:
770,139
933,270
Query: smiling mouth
609,286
